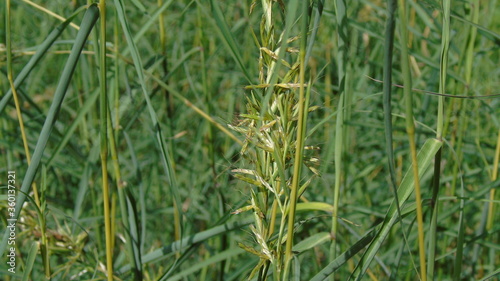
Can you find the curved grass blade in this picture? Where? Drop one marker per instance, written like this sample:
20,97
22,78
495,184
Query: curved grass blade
491,275
317,16
405,40
104,144
296,269
88,22
178,262
343,76
344,257
311,242
178,95
388,49
387,89
424,159
227,37
146,26
166,160
300,139
87,106
134,234
212,260
43,48
31,260
190,240
445,42
488,33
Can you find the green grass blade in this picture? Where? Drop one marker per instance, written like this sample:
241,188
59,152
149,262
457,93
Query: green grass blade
146,26
311,242
488,33
69,133
470,55
227,37
190,240
87,24
129,209
104,144
30,261
83,187
387,89
342,41
300,138
344,257
388,50
219,257
317,17
134,234
410,129
425,157
165,156
296,269
445,42
42,50
139,6
490,276
202,113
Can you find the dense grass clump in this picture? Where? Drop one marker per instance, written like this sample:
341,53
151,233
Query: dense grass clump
254,140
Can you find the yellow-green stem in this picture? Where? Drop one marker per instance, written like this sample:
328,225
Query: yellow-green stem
104,141
195,108
117,76
117,173
10,77
50,13
494,176
299,145
342,39
410,129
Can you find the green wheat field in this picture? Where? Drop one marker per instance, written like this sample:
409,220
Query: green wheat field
278,140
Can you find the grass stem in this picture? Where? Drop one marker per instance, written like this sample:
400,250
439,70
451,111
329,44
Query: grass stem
342,39
410,130
103,116
299,145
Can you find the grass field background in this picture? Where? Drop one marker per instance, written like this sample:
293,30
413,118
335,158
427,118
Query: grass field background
261,140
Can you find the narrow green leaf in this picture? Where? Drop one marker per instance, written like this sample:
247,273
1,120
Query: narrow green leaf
311,242
165,156
139,6
213,259
190,240
314,206
344,257
68,133
42,50
227,37
425,157
491,275
30,261
87,24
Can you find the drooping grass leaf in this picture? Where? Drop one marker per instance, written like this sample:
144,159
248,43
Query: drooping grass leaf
211,260
228,38
344,257
165,156
30,261
425,156
42,50
88,22
190,240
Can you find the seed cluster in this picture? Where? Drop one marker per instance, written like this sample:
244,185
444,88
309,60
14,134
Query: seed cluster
270,129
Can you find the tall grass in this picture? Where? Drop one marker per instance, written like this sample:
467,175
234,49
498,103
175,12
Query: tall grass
259,140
